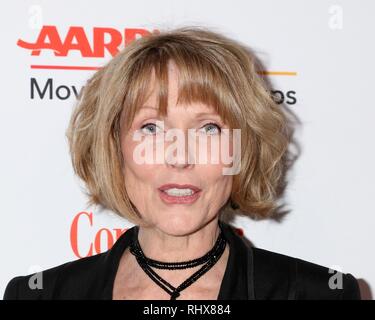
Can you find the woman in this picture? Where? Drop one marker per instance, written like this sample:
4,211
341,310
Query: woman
196,86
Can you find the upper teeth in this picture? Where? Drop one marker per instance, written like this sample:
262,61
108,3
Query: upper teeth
179,192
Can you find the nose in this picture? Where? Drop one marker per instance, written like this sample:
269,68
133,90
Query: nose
179,154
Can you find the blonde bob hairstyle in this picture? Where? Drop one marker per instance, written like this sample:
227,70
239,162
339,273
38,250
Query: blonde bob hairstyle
214,70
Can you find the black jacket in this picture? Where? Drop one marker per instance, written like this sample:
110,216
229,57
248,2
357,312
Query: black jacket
251,273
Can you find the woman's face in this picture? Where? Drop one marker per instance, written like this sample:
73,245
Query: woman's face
175,211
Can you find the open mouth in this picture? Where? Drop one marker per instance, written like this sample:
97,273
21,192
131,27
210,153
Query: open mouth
184,195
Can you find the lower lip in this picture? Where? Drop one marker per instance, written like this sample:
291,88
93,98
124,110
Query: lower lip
179,200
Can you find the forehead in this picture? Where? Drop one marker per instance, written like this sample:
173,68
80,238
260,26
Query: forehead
150,105
161,87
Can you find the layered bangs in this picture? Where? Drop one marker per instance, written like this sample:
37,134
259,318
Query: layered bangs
200,80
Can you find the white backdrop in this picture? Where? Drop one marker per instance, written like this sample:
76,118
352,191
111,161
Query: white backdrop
326,47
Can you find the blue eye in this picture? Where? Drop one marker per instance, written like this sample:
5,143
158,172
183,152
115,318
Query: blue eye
212,127
149,128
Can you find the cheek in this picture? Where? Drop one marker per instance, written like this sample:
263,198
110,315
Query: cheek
135,171
138,149
218,187
219,151
127,149
139,183
216,182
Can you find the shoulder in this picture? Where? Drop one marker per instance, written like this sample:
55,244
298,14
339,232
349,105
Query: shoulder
86,278
70,279
278,276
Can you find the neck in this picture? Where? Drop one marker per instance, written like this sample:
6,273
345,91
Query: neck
160,246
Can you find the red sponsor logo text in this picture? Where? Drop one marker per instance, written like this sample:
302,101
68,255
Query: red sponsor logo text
103,39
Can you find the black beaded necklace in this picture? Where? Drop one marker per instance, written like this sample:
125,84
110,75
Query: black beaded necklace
208,260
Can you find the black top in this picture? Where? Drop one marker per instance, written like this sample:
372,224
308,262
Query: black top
251,273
